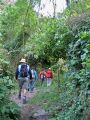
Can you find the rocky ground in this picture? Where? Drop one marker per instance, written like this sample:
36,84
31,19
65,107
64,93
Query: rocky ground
29,112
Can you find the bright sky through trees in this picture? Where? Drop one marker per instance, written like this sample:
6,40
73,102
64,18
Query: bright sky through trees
47,7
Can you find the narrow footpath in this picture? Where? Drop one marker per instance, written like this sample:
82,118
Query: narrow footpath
27,111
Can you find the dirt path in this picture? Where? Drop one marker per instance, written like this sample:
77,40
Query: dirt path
30,112
14,97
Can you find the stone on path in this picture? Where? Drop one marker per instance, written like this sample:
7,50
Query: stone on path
28,112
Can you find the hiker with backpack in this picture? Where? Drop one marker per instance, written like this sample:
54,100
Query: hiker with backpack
23,77
34,78
49,75
42,76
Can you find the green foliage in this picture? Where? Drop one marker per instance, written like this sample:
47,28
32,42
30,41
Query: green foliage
4,61
75,90
46,40
71,41
8,109
46,96
17,23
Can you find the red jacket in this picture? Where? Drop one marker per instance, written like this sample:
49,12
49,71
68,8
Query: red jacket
42,73
49,74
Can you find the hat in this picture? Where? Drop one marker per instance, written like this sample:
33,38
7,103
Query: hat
23,60
49,68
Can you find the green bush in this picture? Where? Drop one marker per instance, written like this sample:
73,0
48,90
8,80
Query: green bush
8,109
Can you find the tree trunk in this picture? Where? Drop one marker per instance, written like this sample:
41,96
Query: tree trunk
54,7
67,2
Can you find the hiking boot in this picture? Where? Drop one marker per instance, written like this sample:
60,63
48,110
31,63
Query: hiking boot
28,89
19,97
24,100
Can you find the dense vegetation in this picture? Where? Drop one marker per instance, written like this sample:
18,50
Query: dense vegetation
62,42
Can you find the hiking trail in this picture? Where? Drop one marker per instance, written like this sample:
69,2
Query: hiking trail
27,111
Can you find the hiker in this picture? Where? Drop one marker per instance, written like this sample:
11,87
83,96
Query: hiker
49,75
34,78
23,76
42,76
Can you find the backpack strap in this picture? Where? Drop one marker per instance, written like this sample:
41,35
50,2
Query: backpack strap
28,67
19,67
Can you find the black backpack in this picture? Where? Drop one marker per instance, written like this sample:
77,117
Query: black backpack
23,71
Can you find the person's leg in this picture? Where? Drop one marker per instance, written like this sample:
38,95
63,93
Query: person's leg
50,81
41,82
20,88
47,82
24,95
25,89
33,83
31,86
24,92
19,96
